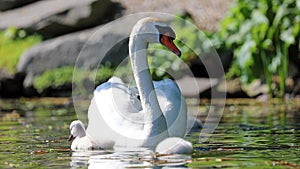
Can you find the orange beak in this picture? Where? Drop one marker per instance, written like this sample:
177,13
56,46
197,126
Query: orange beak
168,42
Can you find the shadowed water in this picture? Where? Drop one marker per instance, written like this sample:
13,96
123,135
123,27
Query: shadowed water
33,134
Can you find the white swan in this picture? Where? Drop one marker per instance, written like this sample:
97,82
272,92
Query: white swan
116,117
170,145
80,141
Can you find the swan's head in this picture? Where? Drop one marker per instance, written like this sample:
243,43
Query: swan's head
153,30
76,130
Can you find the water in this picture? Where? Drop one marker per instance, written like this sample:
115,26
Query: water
251,134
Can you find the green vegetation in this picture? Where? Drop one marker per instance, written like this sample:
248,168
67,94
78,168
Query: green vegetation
162,62
260,34
13,43
56,78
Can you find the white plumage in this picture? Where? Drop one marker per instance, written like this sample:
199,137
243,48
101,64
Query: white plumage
116,117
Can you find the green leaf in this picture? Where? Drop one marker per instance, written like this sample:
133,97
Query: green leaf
287,36
260,34
244,53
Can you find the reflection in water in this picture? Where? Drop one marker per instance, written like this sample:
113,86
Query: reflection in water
139,158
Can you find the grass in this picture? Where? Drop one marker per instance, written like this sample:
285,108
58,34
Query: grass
13,43
64,76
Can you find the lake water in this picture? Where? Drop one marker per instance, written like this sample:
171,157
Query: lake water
251,134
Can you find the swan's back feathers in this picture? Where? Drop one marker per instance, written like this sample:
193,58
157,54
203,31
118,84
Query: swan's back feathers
115,93
114,112
118,98
114,80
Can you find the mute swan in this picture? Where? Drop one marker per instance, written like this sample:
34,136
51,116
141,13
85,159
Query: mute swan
171,145
80,141
116,117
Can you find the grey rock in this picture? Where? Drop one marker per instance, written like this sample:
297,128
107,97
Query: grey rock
191,86
206,13
5,74
86,49
56,17
10,4
51,54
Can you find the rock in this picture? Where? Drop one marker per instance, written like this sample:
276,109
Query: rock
64,51
56,17
84,49
224,89
51,54
5,74
191,86
207,14
256,88
232,88
10,4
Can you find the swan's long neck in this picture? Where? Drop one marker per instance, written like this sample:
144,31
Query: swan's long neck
155,121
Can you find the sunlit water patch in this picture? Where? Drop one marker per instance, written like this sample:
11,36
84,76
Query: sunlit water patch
33,134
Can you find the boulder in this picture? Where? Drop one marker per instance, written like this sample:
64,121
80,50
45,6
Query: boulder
10,4
5,74
85,49
56,17
206,14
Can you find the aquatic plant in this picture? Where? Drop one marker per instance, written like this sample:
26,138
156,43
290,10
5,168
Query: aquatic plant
260,34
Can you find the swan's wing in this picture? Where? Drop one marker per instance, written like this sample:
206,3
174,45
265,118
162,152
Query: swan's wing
173,106
112,112
116,94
